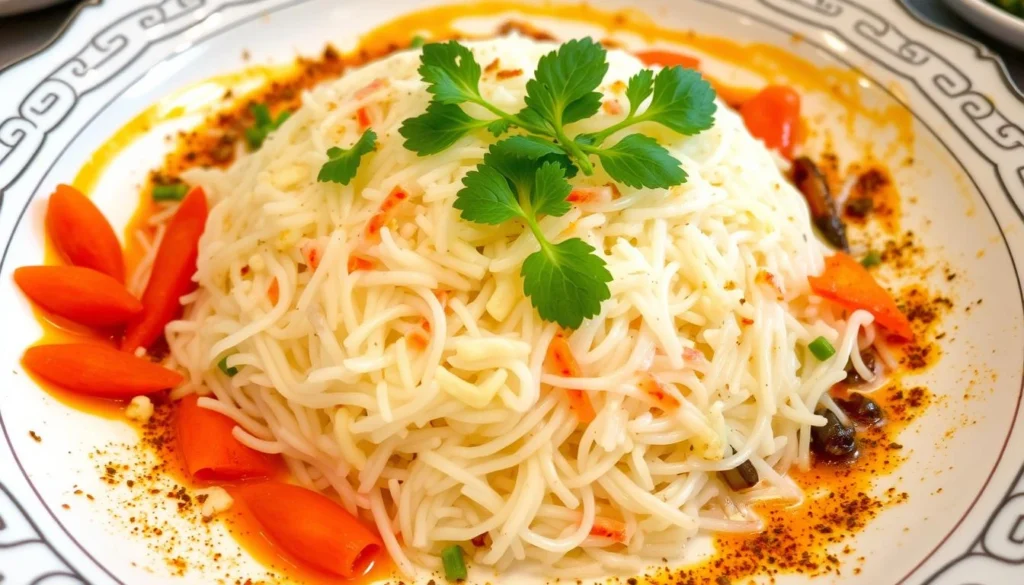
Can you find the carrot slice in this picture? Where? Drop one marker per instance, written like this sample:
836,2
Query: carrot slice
388,209
98,370
357,262
562,362
773,115
173,268
274,292
363,118
667,59
311,527
653,388
81,234
82,295
849,284
608,528
211,452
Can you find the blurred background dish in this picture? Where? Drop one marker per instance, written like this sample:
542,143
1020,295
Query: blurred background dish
999,22
9,7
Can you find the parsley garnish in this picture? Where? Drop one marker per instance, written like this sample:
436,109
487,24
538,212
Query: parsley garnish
563,91
343,163
263,125
567,281
524,177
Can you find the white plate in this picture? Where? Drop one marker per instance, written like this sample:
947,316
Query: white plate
999,23
117,58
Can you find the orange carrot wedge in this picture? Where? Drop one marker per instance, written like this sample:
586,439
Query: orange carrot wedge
274,292
608,528
211,452
81,234
173,268
388,209
773,115
849,284
82,295
652,387
668,59
562,362
311,527
363,117
98,370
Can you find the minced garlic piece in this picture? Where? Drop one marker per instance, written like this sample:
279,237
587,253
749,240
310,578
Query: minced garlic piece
140,409
212,501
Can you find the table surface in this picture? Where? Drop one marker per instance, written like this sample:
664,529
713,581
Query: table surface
28,32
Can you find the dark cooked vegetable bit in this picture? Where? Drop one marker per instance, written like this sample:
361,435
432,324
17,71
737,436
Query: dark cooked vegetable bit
811,182
860,207
454,565
741,477
834,440
861,409
852,376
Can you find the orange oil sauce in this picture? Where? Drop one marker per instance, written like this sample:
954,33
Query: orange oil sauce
280,89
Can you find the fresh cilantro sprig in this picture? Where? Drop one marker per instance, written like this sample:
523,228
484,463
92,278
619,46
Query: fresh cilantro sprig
263,125
563,91
343,163
523,179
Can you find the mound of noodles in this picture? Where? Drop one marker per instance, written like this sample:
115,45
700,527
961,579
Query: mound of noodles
407,375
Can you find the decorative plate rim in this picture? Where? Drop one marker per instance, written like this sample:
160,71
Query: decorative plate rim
982,54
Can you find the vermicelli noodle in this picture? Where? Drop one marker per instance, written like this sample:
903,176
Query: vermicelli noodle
413,386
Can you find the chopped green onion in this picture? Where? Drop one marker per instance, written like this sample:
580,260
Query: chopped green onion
172,192
229,371
821,349
261,113
418,41
872,258
255,136
454,565
263,126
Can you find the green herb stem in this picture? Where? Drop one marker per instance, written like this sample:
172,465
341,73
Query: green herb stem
513,118
603,135
575,151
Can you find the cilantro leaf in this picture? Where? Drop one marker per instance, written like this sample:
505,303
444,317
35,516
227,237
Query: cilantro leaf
562,89
440,127
514,158
451,71
566,282
682,101
498,127
487,197
640,87
639,161
582,108
344,163
550,190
